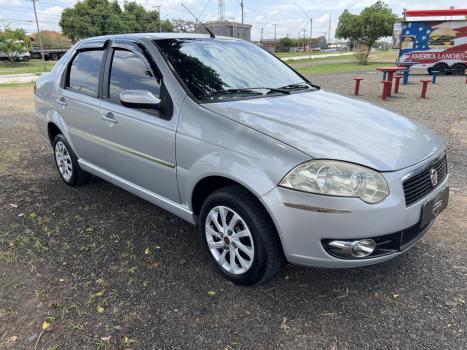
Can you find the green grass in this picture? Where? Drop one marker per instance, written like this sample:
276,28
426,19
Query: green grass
339,68
32,66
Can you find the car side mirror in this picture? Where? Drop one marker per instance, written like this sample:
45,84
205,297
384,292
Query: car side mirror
139,99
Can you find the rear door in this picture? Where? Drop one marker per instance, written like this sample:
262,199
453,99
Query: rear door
139,143
79,105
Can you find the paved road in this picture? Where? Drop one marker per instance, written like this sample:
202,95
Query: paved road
108,270
17,78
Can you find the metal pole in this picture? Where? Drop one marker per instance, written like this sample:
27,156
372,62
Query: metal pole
304,39
241,5
158,18
311,31
275,37
39,35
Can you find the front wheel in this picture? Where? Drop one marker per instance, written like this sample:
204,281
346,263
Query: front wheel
239,236
441,68
67,163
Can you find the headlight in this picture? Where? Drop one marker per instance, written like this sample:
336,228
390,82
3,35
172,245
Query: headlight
336,178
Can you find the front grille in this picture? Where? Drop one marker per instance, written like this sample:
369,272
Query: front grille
419,185
409,234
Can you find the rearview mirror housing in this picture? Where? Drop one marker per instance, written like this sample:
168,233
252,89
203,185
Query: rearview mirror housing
139,99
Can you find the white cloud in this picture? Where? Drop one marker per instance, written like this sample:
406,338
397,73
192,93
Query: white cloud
54,10
10,2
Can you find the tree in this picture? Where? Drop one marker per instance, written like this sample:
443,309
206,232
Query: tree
13,42
50,40
285,44
183,26
100,17
365,29
138,20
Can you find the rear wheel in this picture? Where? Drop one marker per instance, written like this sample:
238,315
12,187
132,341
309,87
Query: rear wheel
441,68
239,236
54,56
458,69
67,163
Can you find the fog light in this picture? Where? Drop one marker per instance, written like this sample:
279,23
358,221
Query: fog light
352,249
363,248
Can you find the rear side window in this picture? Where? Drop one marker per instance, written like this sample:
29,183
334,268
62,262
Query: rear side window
84,72
130,72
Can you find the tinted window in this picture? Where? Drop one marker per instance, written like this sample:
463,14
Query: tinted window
130,72
212,65
84,71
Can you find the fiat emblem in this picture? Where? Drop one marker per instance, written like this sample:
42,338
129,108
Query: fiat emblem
434,177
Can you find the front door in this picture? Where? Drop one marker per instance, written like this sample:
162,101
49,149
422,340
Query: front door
139,143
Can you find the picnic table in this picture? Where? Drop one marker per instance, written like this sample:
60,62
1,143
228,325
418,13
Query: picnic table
406,65
388,74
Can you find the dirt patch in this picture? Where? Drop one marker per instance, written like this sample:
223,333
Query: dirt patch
460,130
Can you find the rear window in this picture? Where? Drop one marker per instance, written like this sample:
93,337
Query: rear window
84,72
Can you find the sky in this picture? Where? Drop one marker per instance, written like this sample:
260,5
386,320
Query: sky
289,18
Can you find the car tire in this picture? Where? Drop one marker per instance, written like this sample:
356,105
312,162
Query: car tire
249,250
67,163
458,69
442,68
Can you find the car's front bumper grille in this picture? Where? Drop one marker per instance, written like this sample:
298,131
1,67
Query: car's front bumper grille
420,184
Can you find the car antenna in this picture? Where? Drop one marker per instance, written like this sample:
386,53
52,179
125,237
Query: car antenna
211,34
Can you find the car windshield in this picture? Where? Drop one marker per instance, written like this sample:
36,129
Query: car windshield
217,69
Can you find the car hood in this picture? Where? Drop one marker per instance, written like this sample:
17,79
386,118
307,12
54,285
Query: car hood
327,125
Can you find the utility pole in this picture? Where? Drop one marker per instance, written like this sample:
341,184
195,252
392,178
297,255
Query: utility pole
39,35
329,31
241,6
311,31
304,39
158,17
275,37
311,22
261,41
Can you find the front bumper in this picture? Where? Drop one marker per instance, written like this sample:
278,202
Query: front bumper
304,220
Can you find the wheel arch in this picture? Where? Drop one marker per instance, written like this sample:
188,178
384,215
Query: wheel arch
209,184
52,131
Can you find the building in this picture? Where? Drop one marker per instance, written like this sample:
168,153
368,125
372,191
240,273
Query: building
269,44
226,28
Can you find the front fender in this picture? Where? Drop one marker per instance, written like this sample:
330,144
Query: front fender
209,144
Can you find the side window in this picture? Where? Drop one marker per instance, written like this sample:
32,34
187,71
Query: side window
130,72
84,72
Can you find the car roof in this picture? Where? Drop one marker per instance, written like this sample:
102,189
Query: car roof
153,36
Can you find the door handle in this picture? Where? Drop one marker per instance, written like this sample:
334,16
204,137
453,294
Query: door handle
62,101
109,117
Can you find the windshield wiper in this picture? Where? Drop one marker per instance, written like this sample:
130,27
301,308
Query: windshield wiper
243,91
301,85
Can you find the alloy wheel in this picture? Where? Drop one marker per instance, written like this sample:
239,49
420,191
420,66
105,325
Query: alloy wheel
229,240
63,160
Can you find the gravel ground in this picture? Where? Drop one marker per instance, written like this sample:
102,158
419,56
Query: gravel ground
107,270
